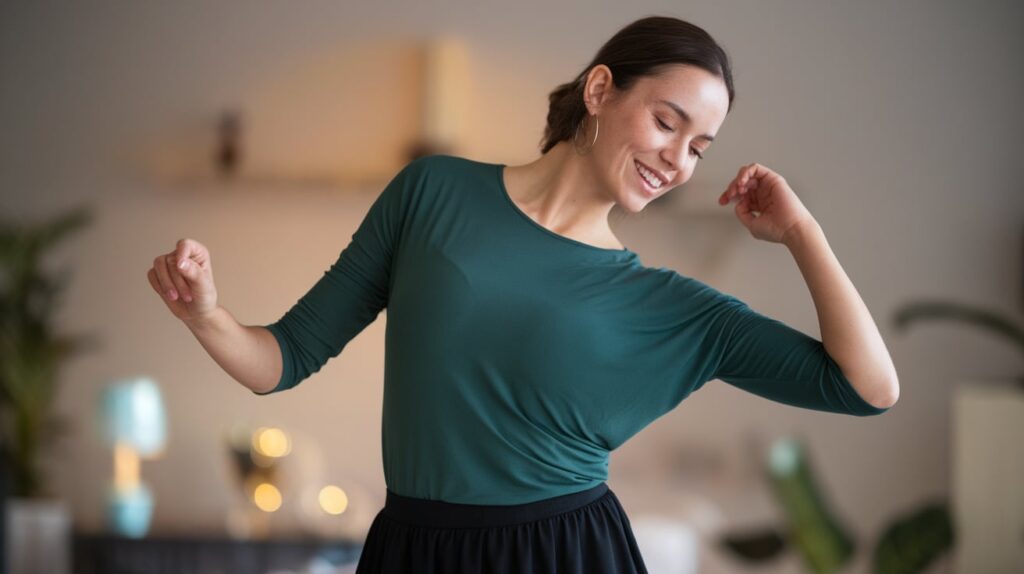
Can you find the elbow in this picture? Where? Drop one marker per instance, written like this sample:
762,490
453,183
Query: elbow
888,398
895,395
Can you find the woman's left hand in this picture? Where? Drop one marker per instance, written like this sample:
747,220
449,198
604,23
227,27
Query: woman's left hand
767,206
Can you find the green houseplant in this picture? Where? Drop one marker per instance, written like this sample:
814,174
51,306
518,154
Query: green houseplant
31,352
988,473
998,324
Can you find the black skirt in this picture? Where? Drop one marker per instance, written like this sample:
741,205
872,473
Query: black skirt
583,532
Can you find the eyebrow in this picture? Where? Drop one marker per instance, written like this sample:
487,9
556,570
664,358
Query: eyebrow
686,117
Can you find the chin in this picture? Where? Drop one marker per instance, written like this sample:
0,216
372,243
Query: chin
634,205
636,196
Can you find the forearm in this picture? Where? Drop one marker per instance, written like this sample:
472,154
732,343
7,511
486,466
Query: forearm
250,354
848,332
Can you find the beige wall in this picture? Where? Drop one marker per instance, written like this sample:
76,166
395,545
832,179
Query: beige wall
897,123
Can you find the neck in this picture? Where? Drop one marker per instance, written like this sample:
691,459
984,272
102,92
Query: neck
560,191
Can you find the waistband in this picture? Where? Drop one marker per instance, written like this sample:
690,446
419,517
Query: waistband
438,513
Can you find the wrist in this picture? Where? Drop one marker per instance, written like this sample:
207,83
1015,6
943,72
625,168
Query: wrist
799,232
204,321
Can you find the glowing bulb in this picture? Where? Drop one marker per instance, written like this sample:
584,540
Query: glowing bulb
271,442
333,499
267,497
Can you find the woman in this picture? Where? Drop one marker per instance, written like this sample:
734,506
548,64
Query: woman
524,342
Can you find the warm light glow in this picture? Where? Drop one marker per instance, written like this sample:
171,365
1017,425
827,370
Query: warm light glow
333,499
445,89
267,497
126,466
271,442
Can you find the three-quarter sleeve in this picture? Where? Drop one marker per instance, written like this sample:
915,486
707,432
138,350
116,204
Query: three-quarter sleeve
766,357
351,293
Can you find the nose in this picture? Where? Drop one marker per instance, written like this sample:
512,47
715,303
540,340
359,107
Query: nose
674,161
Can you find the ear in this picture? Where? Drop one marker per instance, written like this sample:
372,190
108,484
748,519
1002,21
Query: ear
598,88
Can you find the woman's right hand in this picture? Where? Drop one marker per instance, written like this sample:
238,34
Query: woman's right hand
188,291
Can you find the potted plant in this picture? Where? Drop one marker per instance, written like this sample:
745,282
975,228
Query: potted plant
31,354
992,321
987,416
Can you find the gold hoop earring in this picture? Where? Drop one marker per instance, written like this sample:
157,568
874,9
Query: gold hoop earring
597,128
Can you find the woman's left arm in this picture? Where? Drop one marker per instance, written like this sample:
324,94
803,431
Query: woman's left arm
771,211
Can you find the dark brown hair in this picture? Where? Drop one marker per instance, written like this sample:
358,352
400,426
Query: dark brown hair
643,48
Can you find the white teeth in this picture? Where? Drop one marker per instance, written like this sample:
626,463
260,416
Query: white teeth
649,176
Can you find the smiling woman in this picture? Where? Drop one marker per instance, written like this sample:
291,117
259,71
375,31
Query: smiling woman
514,478
638,118
524,342
630,57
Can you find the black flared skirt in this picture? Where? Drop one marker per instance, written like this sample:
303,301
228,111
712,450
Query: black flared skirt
583,532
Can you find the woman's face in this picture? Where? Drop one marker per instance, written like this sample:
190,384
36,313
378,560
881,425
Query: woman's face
643,126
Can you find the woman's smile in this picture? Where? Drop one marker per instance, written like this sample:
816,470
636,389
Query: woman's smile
651,182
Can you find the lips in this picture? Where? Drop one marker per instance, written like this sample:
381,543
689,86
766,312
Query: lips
657,175
648,190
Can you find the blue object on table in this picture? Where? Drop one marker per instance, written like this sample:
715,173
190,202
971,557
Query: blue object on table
129,510
136,426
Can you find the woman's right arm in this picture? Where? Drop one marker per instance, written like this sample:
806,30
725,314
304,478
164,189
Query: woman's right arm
184,280
249,353
348,296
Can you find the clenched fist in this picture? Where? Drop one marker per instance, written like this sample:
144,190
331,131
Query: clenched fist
184,280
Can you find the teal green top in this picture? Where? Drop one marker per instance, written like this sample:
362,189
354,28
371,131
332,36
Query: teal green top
517,359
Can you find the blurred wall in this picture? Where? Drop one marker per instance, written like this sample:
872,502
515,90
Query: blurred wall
897,124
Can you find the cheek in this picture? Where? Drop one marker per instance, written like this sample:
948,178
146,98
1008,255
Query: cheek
687,173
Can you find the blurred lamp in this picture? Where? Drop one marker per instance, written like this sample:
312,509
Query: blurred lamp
135,424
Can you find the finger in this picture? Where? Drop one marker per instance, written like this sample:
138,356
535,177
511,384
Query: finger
160,285
742,176
743,211
741,186
191,249
738,184
755,171
193,259
730,191
155,283
164,275
184,291
190,270
151,275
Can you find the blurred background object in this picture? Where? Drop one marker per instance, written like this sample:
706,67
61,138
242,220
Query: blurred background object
37,525
255,457
988,473
229,143
136,428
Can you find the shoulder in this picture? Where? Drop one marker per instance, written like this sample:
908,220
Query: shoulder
439,177
440,165
664,289
438,171
430,182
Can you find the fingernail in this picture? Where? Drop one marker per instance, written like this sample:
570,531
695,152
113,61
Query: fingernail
172,294
183,264
188,298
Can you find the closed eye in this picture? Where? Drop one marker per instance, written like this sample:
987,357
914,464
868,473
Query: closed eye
669,129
